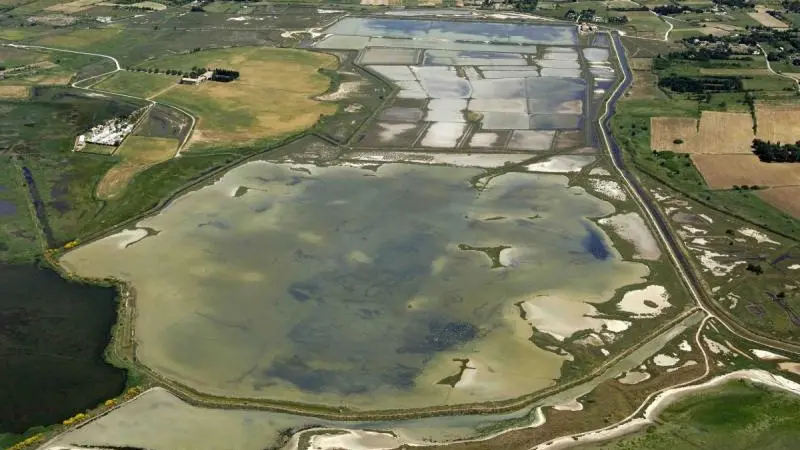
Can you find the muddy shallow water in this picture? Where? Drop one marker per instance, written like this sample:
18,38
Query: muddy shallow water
342,285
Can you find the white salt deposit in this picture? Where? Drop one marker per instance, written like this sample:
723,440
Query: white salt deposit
609,188
572,405
344,90
659,196
605,352
694,230
355,440
483,160
561,318
688,363
617,326
794,267
767,355
561,164
644,303
707,218
482,140
708,260
663,360
443,134
715,347
599,172
757,235
684,346
390,131
700,241
128,237
508,257
631,227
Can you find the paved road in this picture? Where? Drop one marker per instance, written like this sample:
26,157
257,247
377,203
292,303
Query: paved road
660,223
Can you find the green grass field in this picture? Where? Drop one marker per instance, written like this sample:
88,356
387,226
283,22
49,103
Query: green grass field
138,84
735,416
271,98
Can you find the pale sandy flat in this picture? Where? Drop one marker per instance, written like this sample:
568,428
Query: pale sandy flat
787,199
716,133
792,367
726,171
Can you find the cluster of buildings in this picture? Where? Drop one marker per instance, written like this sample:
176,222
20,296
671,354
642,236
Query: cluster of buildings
111,132
199,79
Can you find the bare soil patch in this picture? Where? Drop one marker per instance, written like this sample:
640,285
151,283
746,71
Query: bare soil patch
645,85
641,63
778,123
73,7
715,133
13,91
726,171
138,153
761,16
787,199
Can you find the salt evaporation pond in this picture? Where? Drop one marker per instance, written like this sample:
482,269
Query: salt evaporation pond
341,285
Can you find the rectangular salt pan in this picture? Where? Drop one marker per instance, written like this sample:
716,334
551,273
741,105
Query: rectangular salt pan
472,58
496,74
531,140
505,121
443,134
456,31
390,56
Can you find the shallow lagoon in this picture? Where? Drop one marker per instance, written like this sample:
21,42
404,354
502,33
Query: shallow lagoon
341,285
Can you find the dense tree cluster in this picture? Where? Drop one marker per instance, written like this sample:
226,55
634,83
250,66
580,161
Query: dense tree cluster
666,10
736,3
777,152
700,85
791,5
525,5
630,8
618,19
224,75
157,70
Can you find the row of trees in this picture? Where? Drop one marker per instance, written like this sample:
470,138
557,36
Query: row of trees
223,75
157,70
777,152
700,85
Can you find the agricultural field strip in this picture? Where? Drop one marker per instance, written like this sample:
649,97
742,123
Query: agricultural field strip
619,426
118,68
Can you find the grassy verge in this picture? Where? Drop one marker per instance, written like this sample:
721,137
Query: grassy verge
138,84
